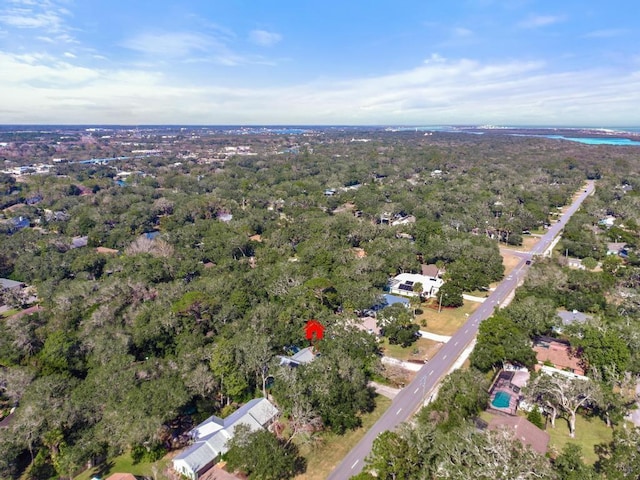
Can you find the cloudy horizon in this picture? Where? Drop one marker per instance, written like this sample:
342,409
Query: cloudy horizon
480,62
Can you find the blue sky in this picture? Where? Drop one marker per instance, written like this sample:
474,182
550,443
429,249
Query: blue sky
379,62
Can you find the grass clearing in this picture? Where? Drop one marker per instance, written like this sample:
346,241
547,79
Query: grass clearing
448,321
325,457
9,313
422,349
124,464
590,431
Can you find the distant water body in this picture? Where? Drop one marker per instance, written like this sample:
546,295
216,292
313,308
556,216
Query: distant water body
595,141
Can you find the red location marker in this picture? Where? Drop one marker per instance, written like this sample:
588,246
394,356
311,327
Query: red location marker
314,330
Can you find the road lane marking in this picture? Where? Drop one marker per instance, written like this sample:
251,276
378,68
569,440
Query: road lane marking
398,412
456,344
444,358
466,331
416,390
431,372
353,466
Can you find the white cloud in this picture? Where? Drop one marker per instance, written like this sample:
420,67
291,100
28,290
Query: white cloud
45,89
26,14
190,47
264,38
47,17
608,33
69,55
170,44
537,21
462,32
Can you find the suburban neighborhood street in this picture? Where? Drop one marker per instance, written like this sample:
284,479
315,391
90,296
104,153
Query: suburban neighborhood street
411,398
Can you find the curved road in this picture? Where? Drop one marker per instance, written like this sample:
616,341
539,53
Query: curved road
411,397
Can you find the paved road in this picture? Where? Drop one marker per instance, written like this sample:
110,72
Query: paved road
410,398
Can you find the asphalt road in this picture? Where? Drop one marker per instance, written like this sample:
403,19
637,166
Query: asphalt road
411,397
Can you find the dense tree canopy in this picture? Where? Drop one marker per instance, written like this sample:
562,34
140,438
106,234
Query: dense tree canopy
210,265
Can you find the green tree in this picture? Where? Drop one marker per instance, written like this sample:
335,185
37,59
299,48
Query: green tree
500,340
603,349
450,295
396,324
534,316
462,395
620,458
393,457
570,464
262,456
535,417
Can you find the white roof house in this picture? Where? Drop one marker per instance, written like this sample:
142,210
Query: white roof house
403,284
211,436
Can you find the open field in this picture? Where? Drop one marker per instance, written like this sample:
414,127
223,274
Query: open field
422,349
322,459
528,242
448,321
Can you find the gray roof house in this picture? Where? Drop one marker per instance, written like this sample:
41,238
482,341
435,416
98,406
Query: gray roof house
5,283
304,356
573,317
211,436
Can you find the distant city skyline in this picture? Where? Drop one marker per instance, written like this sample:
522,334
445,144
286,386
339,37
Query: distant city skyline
514,62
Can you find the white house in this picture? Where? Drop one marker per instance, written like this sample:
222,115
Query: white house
403,284
211,436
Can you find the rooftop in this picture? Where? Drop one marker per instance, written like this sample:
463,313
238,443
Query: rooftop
558,353
523,430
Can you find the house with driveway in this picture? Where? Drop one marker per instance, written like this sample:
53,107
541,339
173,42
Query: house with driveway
211,436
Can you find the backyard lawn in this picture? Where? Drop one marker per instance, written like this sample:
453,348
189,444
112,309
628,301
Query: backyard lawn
124,464
589,432
325,457
448,321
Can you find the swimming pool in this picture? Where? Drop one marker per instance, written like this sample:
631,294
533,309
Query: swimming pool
501,400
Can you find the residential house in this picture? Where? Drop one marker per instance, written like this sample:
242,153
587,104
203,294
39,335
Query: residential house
211,436
57,216
432,271
301,357
152,235
7,284
403,220
367,324
18,223
388,300
225,217
575,263
523,430
557,356
403,284
121,476
614,248
567,318
607,222
79,242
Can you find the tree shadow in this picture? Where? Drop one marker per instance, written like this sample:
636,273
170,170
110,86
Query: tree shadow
102,469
